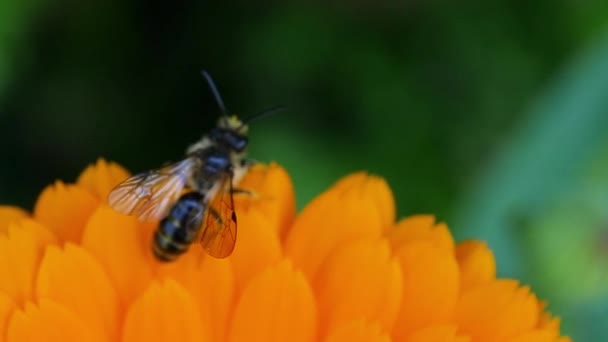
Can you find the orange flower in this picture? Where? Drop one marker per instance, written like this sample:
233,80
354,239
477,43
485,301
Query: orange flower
342,270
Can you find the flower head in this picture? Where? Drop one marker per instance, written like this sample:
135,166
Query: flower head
341,270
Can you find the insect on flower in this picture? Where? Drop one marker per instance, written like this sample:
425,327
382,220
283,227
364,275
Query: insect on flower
193,197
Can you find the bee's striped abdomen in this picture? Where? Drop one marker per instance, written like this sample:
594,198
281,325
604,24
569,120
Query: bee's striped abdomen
176,232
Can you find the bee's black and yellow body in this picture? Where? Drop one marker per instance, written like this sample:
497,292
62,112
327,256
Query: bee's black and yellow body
216,154
176,232
206,210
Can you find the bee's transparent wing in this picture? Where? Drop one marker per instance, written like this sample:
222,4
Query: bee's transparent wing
149,195
218,236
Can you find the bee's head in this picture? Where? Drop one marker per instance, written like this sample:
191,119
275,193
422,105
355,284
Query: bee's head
230,133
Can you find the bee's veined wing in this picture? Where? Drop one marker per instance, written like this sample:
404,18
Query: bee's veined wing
218,236
148,195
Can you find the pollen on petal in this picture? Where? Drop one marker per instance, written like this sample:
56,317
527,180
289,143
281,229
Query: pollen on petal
346,212
276,305
65,209
10,214
122,246
74,278
430,286
437,333
421,227
257,246
273,195
497,310
99,179
20,253
359,280
357,331
49,321
476,261
165,312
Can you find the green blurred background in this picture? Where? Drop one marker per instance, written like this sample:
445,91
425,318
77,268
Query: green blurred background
492,116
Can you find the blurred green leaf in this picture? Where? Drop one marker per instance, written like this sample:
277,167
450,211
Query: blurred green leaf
542,158
588,321
541,164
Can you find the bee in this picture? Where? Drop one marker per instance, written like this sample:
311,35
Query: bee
193,197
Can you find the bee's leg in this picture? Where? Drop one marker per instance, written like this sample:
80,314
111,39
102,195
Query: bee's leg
251,194
238,191
248,162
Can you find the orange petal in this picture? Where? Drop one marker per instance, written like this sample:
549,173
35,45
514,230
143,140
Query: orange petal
497,310
421,227
65,209
257,246
20,253
476,261
99,179
535,336
546,320
48,322
210,281
165,312
7,306
378,188
276,305
75,279
437,333
430,286
357,331
359,280
122,246
10,214
273,195
374,187
346,212
217,296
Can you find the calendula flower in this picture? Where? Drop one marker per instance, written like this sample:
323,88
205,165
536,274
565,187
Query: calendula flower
342,270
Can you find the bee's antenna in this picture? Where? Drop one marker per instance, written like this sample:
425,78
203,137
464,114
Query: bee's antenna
264,113
216,93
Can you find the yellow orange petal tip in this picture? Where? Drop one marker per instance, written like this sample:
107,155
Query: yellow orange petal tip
101,177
